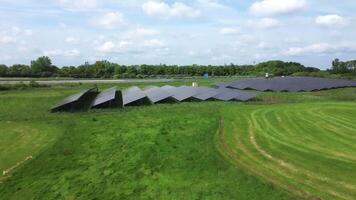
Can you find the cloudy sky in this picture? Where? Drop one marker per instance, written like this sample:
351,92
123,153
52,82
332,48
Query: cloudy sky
71,32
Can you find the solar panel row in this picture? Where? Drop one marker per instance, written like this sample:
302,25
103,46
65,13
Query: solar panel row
80,101
134,96
288,84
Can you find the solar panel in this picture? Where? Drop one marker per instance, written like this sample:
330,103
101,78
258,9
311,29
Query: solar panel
204,93
76,101
289,84
149,87
226,94
108,98
183,93
134,96
158,95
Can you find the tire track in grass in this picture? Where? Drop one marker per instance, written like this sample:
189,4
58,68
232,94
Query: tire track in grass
232,156
339,182
306,125
315,149
304,173
313,181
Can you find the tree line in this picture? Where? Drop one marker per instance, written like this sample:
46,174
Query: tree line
341,67
43,67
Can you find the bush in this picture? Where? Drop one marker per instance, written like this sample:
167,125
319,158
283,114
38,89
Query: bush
21,86
34,84
322,74
5,87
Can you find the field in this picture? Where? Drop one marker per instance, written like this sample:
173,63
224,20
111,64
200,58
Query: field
282,146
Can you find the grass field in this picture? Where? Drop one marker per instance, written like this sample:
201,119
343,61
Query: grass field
284,146
308,148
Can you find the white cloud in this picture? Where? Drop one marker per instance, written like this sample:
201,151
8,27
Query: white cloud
78,5
211,4
331,21
28,32
14,30
161,9
321,48
6,39
154,43
264,23
139,32
146,31
230,31
107,47
111,47
263,45
276,7
23,49
52,52
59,52
71,40
291,40
109,20
72,53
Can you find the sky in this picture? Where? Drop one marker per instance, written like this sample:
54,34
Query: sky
71,32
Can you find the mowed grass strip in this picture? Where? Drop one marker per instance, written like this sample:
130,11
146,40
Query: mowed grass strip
307,148
22,140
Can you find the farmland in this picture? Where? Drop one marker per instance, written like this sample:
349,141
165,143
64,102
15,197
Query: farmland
281,146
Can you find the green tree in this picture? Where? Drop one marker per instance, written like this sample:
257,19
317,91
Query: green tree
3,69
43,66
19,70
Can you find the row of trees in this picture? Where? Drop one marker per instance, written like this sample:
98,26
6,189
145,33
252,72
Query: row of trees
340,67
42,67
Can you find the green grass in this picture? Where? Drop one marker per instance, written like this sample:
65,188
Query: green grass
307,148
172,151
20,140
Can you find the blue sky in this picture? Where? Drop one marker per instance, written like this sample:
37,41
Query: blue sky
70,32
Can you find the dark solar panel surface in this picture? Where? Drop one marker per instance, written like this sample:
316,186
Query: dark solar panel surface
288,84
71,99
184,92
204,93
132,94
105,96
226,94
159,94
156,94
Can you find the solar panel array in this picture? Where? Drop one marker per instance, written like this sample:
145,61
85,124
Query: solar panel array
107,98
73,102
132,95
158,95
288,84
165,94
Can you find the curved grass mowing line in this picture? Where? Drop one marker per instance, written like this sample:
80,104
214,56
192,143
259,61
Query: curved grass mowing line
21,140
236,157
288,146
284,137
285,166
302,171
322,178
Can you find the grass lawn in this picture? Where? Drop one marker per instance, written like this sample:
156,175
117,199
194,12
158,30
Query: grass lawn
306,148
179,151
